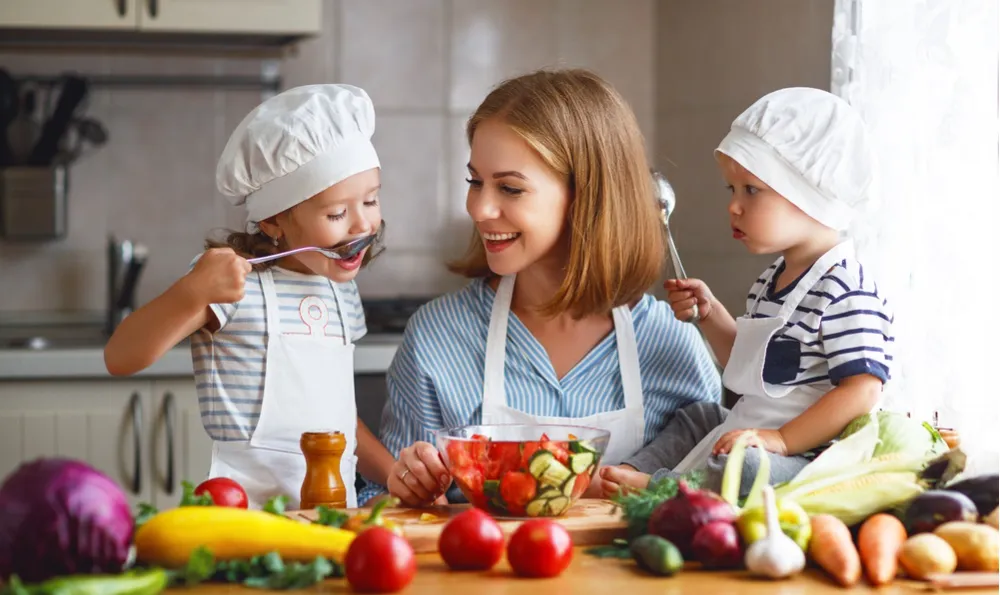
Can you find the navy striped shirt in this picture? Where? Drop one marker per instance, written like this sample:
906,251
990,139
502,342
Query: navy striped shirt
842,328
436,377
229,364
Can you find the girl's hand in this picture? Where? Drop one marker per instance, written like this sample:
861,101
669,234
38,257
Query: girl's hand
769,440
219,276
683,294
419,476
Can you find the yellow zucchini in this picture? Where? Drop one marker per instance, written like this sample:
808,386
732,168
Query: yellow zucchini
169,537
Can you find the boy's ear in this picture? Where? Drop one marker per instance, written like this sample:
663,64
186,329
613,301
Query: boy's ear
270,227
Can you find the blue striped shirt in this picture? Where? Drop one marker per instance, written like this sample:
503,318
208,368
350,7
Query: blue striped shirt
842,328
436,377
229,364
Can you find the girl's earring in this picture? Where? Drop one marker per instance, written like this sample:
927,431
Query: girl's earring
275,242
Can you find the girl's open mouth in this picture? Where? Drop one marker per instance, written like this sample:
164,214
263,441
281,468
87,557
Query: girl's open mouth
352,263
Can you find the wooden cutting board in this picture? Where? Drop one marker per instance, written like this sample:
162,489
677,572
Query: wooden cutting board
589,522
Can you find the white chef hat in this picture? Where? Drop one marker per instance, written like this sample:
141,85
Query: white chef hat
295,145
811,147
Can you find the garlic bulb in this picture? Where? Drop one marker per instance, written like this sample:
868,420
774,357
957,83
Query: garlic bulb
775,555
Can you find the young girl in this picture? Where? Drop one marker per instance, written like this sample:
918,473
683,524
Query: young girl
273,342
813,350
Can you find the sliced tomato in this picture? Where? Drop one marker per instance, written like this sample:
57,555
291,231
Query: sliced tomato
517,489
471,482
479,448
502,457
559,449
528,449
580,485
459,456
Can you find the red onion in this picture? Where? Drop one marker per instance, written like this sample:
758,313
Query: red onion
717,545
679,518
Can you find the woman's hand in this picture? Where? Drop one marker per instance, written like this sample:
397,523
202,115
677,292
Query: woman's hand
419,477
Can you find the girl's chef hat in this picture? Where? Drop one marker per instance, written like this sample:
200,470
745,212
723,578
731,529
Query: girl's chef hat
295,145
811,147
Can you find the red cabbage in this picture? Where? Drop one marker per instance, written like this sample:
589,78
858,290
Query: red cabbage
60,517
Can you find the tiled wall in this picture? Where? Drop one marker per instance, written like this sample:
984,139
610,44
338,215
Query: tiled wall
426,64
714,58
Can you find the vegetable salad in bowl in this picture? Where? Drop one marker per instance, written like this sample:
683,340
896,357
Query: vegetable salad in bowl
523,470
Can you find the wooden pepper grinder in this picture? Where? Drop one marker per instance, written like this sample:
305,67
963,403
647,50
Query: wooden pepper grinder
323,484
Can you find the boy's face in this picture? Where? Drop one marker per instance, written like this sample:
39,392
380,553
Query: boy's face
345,211
762,219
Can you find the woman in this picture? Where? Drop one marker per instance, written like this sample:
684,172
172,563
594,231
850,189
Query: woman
555,326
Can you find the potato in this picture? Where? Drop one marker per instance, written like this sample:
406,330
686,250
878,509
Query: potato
925,554
977,546
991,519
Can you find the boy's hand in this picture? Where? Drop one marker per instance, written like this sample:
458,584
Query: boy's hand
769,440
620,477
683,294
219,276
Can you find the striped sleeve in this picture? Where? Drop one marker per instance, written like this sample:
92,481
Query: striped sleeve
354,311
856,335
224,312
412,407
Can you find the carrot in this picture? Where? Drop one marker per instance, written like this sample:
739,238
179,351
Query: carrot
879,540
833,549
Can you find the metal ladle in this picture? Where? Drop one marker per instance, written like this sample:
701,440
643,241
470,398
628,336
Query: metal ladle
668,200
344,251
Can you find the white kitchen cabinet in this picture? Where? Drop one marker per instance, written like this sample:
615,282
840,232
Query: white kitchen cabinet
101,422
145,434
181,450
231,16
72,14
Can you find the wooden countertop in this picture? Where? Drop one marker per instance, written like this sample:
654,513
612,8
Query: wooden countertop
589,574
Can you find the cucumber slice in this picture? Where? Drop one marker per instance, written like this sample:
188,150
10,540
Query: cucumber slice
491,487
536,507
582,446
558,505
579,462
548,493
540,462
567,488
555,475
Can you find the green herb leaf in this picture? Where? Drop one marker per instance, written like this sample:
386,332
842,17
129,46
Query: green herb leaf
188,498
200,567
146,512
637,506
276,505
331,517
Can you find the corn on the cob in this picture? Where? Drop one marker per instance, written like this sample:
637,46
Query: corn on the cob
861,496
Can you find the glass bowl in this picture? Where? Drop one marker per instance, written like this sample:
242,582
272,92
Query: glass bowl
523,470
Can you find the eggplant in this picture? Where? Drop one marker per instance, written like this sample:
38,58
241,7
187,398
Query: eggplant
983,490
934,508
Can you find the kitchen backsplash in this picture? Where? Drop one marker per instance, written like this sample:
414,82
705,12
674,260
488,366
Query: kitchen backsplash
686,67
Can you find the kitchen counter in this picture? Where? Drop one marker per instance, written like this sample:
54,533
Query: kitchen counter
372,355
588,574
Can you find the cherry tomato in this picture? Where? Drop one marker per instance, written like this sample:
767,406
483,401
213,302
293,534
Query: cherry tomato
223,491
471,541
517,489
379,561
540,548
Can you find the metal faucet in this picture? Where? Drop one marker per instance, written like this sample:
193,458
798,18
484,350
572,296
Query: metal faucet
125,261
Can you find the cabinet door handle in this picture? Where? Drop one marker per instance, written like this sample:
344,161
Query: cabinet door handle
122,7
169,409
154,8
136,406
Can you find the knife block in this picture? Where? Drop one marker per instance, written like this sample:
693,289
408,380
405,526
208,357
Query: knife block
33,203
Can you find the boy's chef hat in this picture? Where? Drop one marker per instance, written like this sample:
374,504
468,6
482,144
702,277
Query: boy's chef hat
295,145
811,147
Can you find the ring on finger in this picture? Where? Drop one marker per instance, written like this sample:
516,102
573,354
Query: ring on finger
402,476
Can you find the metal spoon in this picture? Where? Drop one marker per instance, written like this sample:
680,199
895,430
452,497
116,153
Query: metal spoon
341,252
668,200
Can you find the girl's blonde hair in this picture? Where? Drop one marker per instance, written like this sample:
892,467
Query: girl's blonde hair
583,129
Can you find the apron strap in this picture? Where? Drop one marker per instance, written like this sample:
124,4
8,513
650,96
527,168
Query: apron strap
496,345
343,312
812,276
628,357
270,303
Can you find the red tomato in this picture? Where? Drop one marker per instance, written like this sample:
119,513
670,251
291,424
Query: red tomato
556,448
517,489
471,481
530,448
379,561
223,491
502,457
580,485
540,548
471,541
